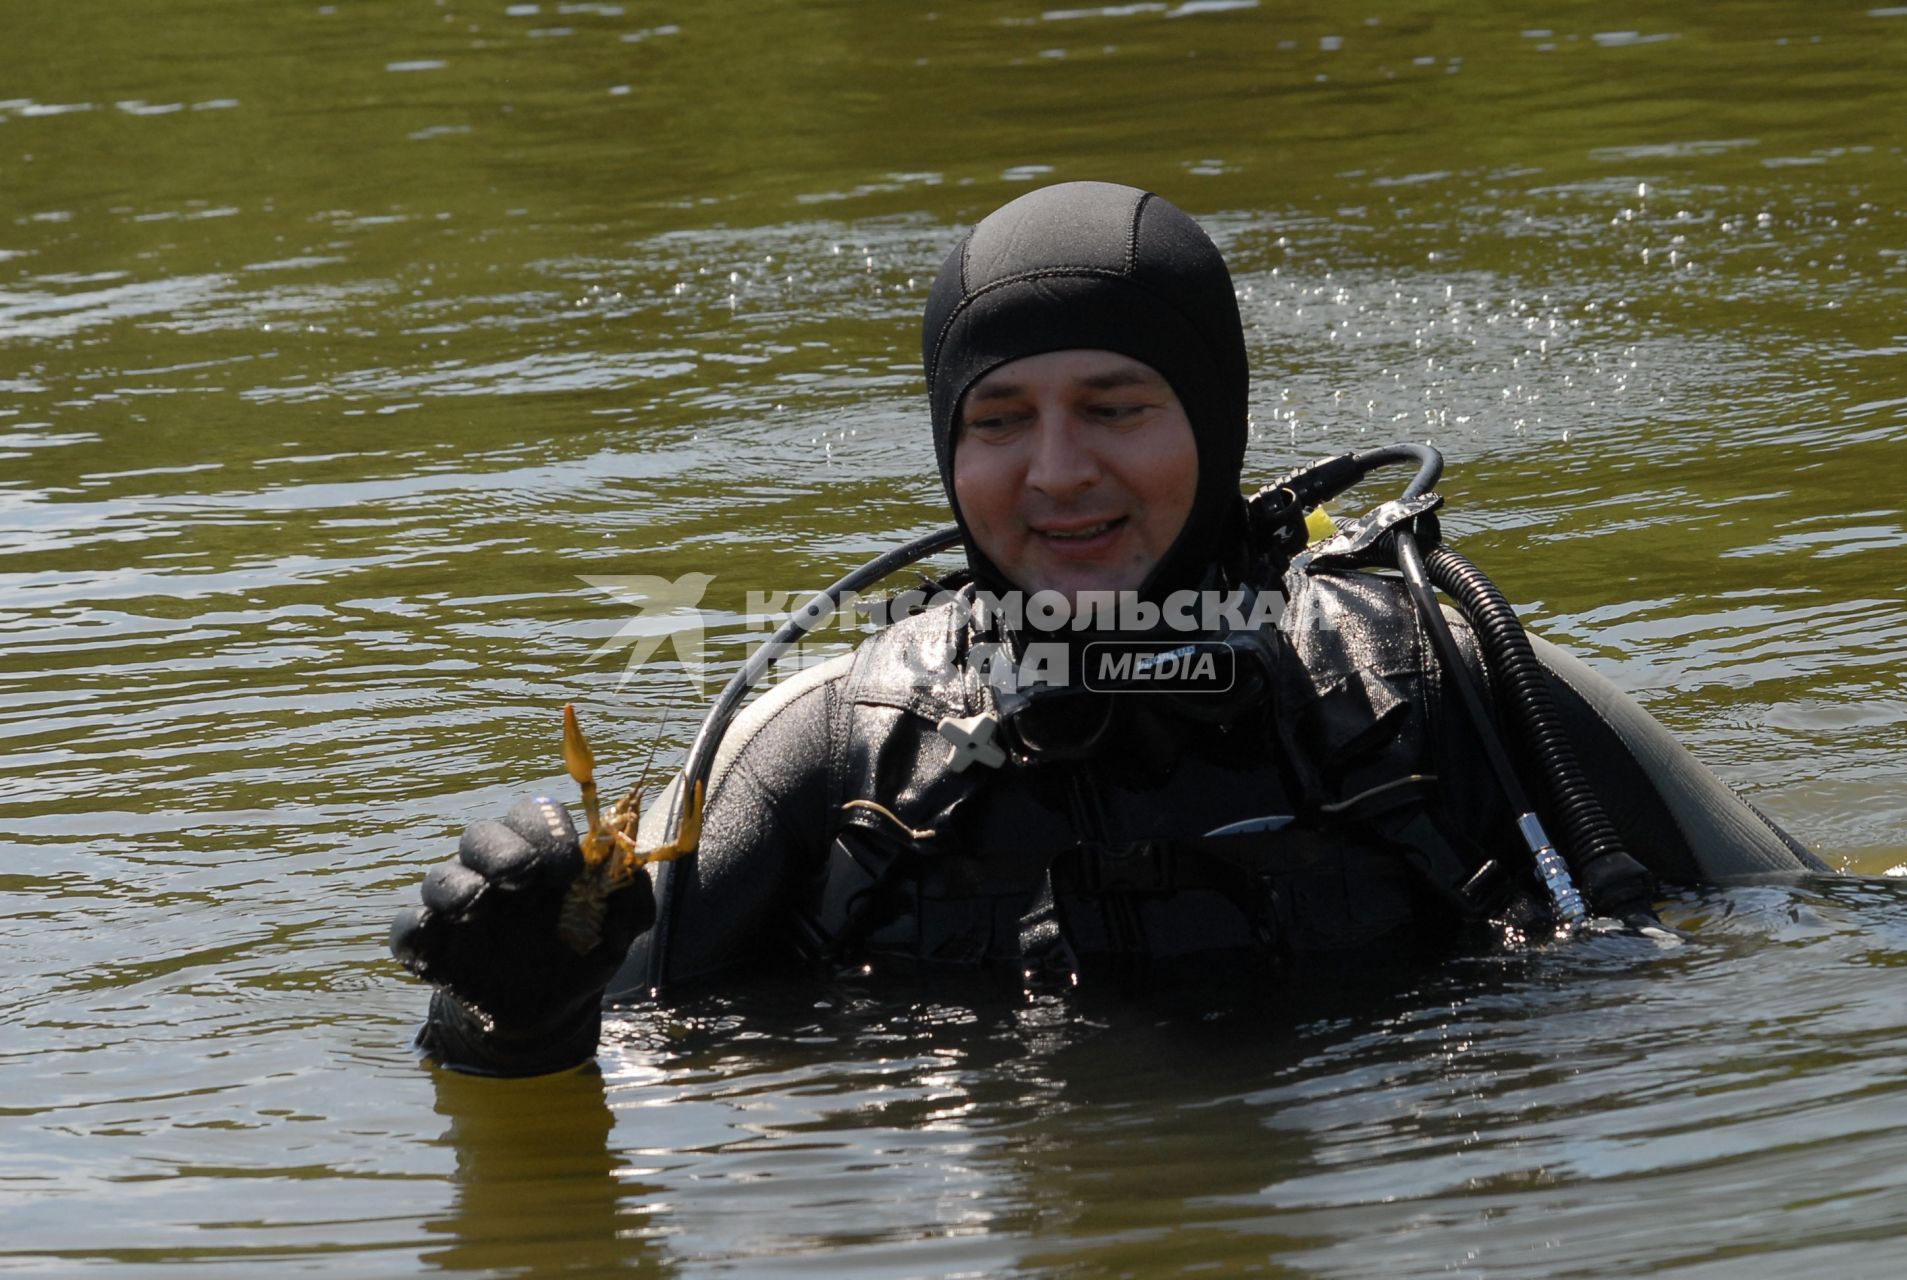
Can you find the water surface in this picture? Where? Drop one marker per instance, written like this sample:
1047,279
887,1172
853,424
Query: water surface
337,342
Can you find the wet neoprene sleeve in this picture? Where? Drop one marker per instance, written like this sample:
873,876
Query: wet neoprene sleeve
765,837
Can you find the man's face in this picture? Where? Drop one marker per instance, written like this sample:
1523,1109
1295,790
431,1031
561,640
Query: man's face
1075,470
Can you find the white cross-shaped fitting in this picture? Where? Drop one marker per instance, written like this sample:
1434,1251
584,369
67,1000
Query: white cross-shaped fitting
972,739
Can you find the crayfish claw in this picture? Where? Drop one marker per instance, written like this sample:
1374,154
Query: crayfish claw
688,832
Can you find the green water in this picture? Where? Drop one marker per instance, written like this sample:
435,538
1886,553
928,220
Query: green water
338,341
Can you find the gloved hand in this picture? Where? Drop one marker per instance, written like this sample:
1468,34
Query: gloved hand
486,931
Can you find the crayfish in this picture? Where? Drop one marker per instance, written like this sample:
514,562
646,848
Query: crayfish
611,857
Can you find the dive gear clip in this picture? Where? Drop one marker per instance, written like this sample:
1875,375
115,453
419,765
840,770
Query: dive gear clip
973,741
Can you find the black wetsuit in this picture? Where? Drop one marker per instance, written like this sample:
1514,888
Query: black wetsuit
816,847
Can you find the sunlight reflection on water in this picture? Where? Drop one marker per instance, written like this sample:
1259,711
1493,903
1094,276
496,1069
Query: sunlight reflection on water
339,351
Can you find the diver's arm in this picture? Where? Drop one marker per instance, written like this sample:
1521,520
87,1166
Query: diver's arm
734,904
1671,813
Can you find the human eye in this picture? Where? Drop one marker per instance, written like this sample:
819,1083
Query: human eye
991,420
1117,411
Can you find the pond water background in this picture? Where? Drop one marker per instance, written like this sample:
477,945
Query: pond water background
339,342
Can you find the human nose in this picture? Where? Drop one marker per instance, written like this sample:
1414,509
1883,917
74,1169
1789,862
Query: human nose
1063,462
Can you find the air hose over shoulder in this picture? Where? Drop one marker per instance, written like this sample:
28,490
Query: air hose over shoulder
700,765
1616,884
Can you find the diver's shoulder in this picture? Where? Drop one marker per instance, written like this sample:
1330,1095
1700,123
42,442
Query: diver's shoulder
900,664
1338,620
918,662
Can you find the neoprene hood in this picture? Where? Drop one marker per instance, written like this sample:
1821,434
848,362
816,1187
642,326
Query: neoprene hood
1113,268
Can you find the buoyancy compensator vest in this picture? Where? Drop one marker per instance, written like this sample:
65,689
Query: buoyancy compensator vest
1309,818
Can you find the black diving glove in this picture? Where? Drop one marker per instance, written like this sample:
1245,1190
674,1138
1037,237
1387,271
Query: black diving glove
513,997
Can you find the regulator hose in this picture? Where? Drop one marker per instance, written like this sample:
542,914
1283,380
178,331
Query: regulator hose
1429,465
1550,865
1617,885
708,739
1275,515
820,608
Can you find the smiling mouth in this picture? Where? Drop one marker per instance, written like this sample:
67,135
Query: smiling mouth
1083,533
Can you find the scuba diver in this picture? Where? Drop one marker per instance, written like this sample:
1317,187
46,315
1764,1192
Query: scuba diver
1154,732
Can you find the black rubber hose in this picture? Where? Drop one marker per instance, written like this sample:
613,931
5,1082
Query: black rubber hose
1429,465
1550,866
1276,513
1616,884
708,739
